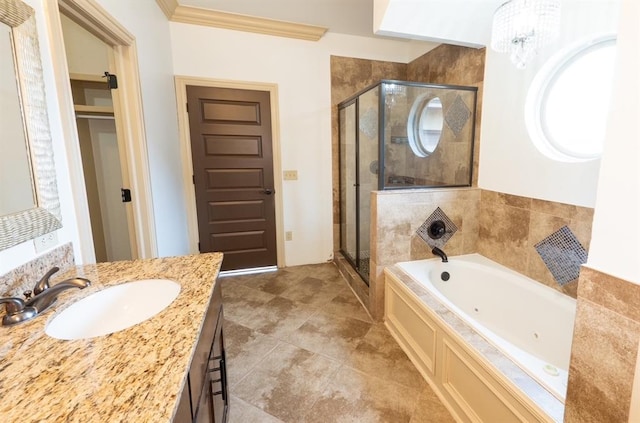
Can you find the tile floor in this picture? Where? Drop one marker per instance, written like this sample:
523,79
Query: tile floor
302,349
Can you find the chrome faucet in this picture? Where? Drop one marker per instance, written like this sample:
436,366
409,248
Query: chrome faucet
438,252
19,310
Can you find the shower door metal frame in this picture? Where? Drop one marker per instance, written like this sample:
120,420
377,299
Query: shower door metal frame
353,261
382,120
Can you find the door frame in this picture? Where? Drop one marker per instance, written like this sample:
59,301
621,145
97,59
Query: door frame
181,83
127,104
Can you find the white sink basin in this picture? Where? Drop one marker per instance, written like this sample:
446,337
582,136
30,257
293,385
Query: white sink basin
113,309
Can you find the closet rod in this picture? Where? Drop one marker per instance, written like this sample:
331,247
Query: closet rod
104,117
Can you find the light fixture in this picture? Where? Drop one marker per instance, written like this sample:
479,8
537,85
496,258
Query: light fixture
521,27
392,91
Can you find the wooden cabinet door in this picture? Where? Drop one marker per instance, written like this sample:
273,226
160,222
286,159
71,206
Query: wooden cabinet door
219,390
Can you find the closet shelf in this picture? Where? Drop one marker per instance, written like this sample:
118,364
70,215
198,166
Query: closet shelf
93,110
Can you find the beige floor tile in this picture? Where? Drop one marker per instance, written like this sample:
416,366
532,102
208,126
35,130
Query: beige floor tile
379,355
276,282
245,348
278,317
287,382
429,409
355,397
243,412
313,291
345,304
335,337
335,365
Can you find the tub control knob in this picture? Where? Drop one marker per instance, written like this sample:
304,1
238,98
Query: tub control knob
437,229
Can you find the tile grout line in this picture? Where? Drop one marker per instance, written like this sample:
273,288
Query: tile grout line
257,363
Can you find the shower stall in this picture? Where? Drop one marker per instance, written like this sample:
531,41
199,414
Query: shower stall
399,135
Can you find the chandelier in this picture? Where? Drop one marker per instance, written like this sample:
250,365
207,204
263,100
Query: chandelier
392,91
521,27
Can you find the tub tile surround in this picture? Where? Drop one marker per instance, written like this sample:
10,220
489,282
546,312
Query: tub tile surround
24,277
511,226
516,376
398,214
604,351
502,227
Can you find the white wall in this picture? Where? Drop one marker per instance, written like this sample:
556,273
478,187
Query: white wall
22,253
301,69
150,27
85,53
615,242
509,161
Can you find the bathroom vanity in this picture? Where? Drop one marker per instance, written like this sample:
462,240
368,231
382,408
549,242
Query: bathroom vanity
169,368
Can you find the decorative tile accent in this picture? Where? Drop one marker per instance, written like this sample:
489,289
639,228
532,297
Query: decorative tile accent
457,115
423,230
563,254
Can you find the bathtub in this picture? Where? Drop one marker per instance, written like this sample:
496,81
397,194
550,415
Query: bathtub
478,324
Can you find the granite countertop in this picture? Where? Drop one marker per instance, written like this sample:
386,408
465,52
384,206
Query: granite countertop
135,375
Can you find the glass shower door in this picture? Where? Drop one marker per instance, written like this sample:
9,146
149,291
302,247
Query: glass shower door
348,204
367,169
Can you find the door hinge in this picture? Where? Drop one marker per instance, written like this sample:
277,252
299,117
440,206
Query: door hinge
126,195
112,80
199,249
193,178
187,105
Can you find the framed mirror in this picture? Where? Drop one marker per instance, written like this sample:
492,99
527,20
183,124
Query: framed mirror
29,204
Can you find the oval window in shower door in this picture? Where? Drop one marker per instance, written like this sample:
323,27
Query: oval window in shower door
424,125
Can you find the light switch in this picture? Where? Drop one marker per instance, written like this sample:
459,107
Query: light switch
290,175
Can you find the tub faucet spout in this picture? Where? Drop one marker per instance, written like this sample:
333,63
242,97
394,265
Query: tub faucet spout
438,252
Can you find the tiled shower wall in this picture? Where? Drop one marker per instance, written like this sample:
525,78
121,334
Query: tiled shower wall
445,64
454,65
349,76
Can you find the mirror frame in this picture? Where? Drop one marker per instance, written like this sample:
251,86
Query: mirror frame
46,217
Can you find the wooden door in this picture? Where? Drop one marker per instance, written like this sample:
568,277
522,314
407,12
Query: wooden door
232,156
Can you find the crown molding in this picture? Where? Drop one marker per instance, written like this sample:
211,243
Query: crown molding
236,21
168,7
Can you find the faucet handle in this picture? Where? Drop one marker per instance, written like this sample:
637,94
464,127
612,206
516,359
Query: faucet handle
43,283
17,312
13,304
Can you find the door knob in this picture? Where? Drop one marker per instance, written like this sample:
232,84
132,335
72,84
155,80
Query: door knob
268,191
